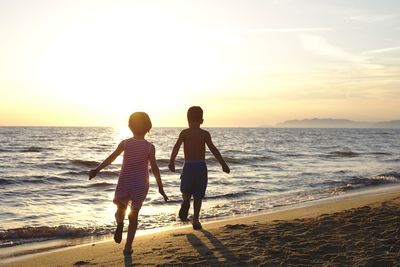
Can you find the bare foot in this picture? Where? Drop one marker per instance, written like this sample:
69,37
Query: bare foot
197,225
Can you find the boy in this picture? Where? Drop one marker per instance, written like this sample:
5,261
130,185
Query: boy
194,174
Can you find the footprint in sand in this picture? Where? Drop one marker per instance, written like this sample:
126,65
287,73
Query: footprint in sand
81,263
235,226
172,250
175,235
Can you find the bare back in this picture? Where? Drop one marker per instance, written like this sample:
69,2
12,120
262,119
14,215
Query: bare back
194,143
194,140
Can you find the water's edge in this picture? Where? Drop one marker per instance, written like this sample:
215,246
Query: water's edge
15,253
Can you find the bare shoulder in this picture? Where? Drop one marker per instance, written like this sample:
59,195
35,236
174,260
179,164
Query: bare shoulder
205,133
121,144
184,132
152,146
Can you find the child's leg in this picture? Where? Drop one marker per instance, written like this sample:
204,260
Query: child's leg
186,198
119,217
184,211
196,207
199,191
120,213
133,223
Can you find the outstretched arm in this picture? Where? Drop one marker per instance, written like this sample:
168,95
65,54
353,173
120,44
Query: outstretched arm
175,151
156,172
216,153
107,161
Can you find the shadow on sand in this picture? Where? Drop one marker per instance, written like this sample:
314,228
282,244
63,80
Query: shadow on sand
208,254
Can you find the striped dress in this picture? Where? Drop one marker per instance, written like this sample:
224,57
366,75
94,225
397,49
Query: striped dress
133,181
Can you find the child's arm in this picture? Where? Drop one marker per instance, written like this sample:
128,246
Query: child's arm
216,153
107,161
175,151
156,172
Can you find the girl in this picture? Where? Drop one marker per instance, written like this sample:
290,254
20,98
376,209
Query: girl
133,182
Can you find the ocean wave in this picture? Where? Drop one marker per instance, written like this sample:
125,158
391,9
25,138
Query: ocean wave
357,182
82,186
232,160
236,195
86,173
290,155
35,179
31,149
85,163
45,139
75,173
360,182
164,162
159,201
101,184
34,149
231,195
53,165
389,176
5,181
110,173
228,159
392,160
101,147
243,160
345,152
379,153
25,149
56,179
50,232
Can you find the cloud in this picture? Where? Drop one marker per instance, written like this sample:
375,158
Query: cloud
319,46
286,30
381,50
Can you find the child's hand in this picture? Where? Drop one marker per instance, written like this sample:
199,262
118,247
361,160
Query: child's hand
92,174
171,166
225,168
164,195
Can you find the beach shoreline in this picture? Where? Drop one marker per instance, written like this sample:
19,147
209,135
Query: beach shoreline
171,235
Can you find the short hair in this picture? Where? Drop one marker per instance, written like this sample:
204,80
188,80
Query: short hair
140,123
195,114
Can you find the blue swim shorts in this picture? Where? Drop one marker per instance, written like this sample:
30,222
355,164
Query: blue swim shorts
194,178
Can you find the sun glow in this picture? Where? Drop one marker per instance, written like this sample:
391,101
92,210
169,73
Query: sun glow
123,69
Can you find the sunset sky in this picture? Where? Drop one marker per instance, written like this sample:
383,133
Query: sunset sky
247,63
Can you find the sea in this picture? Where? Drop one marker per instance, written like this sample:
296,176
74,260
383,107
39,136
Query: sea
45,193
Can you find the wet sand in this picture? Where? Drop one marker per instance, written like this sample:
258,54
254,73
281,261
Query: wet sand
357,231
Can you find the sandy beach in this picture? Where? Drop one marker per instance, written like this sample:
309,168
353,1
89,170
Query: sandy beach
277,120
354,231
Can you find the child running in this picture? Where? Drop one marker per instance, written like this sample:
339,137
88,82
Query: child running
194,174
133,182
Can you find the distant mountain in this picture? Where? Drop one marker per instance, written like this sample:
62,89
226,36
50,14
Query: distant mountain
337,123
387,124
